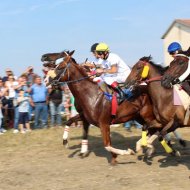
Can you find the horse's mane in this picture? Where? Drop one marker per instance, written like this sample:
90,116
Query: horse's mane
82,70
158,67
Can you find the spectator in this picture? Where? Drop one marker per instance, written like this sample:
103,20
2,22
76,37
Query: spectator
8,73
39,100
55,104
2,89
21,86
30,75
23,108
2,130
74,112
10,85
131,123
3,100
67,102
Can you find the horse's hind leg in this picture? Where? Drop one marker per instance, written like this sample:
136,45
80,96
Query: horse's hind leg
67,127
105,130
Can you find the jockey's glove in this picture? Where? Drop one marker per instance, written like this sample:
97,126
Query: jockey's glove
176,81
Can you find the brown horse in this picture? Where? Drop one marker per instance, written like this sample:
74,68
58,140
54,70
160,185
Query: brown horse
50,59
94,107
177,67
165,112
50,62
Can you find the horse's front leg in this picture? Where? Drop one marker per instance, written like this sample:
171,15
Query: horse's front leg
67,127
163,142
84,145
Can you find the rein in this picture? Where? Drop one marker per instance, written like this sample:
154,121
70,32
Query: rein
154,79
69,81
77,80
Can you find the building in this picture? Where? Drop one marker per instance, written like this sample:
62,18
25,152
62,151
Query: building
178,31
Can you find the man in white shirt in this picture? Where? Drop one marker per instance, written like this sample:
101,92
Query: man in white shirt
114,70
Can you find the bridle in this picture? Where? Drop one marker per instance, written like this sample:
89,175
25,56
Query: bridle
63,72
144,74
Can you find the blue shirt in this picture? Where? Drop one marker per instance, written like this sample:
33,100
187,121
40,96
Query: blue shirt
23,105
38,93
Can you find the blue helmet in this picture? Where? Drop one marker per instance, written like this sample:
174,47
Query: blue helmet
175,46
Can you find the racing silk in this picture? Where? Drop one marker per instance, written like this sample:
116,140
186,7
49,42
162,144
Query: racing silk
122,72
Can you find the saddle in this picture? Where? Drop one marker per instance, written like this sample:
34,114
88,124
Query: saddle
109,92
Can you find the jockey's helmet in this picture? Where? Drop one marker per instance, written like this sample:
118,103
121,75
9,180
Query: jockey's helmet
93,47
102,47
174,46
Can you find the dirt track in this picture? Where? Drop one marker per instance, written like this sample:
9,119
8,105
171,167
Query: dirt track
38,161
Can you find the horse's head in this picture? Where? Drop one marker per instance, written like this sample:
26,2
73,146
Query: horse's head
50,59
139,71
176,69
60,71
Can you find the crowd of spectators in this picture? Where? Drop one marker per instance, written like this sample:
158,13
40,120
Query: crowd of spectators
27,104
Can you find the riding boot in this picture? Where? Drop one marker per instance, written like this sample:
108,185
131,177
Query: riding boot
115,86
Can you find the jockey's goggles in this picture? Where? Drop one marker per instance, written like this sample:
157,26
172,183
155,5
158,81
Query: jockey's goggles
100,52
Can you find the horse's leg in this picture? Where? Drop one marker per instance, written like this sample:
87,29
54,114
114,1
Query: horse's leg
105,130
149,140
163,142
84,145
67,126
143,141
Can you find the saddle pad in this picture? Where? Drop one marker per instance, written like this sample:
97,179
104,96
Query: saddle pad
180,97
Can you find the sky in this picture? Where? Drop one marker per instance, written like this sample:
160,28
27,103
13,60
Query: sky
131,28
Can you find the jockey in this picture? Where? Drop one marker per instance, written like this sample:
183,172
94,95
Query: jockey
114,70
173,49
92,64
95,61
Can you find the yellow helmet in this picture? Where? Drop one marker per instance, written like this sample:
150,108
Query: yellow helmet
102,47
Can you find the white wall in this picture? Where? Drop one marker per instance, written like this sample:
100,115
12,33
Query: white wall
178,33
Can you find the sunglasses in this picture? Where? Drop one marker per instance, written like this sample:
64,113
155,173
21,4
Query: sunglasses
100,52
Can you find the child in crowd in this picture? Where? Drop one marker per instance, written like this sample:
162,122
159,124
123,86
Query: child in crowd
23,108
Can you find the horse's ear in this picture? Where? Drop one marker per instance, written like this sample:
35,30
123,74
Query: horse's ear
188,52
149,57
71,53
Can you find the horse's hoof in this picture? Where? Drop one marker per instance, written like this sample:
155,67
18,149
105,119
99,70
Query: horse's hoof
113,162
65,143
182,143
150,151
84,154
131,152
139,151
176,153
